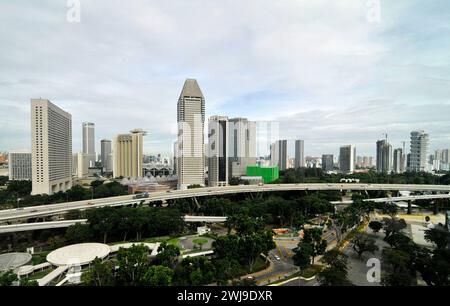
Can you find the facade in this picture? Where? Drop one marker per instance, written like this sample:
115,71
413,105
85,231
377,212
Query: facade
128,154
268,174
89,142
384,156
419,151
327,162
445,156
299,154
347,159
278,154
398,161
241,146
191,150
51,148
218,151
105,155
19,163
82,165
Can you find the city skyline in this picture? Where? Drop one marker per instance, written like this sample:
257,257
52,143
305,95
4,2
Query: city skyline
390,76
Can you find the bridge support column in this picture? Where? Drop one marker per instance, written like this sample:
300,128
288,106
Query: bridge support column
409,207
435,207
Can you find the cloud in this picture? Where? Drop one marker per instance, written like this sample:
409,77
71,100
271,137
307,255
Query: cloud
344,78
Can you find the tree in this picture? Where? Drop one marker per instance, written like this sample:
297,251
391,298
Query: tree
314,238
8,278
302,255
375,226
96,183
133,264
244,282
362,243
252,246
335,274
439,236
78,233
98,274
399,241
393,225
126,219
103,221
194,271
157,276
434,267
167,254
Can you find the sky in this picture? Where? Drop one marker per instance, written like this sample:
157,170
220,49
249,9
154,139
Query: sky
330,72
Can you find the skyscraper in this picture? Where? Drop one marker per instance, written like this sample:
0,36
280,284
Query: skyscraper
191,120
19,164
218,151
347,158
51,148
241,145
419,151
128,154
89,142
105,152
327,162
299,154
384,156
278,154
399,160
445,156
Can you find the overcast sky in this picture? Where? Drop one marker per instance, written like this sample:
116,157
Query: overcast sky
330,72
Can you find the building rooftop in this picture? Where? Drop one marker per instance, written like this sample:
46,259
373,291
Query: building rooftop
191,89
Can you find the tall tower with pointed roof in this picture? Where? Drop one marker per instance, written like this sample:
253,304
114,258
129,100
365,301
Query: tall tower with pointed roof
191,120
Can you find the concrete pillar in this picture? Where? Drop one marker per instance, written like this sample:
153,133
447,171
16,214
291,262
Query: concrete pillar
409,207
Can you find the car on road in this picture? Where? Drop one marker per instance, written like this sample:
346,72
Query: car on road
277,257
141,195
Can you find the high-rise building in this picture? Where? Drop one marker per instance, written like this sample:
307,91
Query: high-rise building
445,156
299,154
89,142
128,154
218,151
399,161
80,165
347,158
438,155
241,146
278,154
419,151
19,164
384,156
51,148
105,152
191,120
327,162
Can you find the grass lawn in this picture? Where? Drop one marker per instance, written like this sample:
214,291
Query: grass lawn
39,274
39,258
200,241
260,264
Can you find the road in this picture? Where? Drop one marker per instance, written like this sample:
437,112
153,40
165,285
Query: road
54,209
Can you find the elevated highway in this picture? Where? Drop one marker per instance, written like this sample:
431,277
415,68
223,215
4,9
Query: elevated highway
32,226
55,209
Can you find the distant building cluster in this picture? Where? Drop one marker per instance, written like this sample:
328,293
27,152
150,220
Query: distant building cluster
229,151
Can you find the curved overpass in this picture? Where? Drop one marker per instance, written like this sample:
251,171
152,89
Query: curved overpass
53,209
